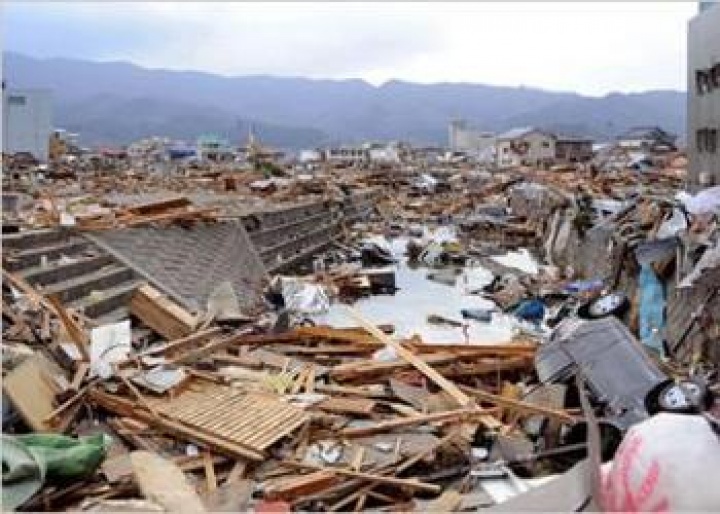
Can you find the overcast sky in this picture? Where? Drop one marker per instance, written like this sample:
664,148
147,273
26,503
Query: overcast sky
591,48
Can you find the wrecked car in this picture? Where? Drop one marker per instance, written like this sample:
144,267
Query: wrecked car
622,379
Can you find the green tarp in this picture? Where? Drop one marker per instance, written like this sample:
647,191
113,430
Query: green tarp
30,460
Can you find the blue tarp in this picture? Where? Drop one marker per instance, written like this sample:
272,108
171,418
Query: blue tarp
530,310
652,309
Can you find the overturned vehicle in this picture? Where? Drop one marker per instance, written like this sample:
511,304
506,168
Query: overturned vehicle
624,384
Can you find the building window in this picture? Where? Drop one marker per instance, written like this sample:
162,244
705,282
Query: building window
545,144
715,76
707,80
712,141
706,140
16,100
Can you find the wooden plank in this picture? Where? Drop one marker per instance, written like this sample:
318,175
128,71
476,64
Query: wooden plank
164,483
362,392
387,426
160,313
177,345
52,417
244,361
300,380
76,333
357,406
519,405
32,392
80,374
410,483
370,369
325,349
196,462
208,349
358,458
210,477
36,299
298,486
310,382
514,349
158,206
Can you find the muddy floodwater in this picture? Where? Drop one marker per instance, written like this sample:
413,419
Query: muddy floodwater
419,297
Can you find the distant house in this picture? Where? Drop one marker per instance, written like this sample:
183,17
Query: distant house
647,139
573,149
379,153
310,156
214,148
525,146
427,155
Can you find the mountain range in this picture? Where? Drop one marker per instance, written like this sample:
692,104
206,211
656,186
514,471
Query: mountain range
118,102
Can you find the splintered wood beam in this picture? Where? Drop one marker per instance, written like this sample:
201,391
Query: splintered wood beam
461,398
520,406
76,333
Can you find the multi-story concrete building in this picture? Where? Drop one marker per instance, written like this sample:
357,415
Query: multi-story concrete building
470,141
27,122
704,97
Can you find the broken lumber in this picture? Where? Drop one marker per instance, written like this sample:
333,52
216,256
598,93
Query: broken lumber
135,411
461,398
74,331
294,487
399,482
387,426
160,313
519,405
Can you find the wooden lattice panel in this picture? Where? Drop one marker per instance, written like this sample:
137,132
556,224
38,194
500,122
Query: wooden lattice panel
252,420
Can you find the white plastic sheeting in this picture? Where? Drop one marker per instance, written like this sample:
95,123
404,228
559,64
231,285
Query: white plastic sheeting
706,201
109,344
672,226
304,297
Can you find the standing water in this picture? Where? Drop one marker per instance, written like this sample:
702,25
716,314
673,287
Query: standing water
418,297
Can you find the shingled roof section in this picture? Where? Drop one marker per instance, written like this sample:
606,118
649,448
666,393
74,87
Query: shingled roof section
188,264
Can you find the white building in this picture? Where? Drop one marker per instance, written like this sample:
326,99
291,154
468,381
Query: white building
703,136
310,156
470,141
346,155
389,153
27,122
525,146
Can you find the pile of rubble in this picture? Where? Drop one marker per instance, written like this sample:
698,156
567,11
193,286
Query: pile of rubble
249,404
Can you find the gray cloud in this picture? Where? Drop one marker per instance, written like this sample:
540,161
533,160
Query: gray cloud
588,47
